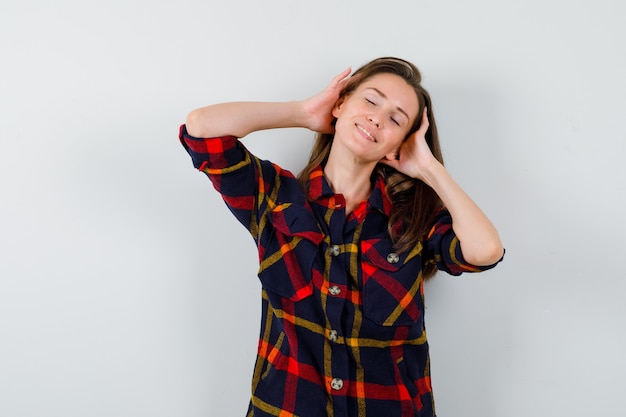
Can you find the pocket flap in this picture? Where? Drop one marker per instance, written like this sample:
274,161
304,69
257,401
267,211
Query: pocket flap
392,284
289,251
296,220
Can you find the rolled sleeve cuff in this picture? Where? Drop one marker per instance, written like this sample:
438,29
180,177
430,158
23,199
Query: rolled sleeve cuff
212,154
446,247
454,263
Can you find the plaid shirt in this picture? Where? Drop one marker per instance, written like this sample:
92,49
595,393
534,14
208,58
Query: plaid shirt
342,330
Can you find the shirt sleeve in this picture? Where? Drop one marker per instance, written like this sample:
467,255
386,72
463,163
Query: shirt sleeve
445,250
233,171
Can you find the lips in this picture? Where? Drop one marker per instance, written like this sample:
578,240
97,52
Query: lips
365,133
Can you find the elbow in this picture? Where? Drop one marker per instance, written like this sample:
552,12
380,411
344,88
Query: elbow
495,254
485,254
193,124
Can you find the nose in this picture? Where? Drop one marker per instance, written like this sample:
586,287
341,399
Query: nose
374,119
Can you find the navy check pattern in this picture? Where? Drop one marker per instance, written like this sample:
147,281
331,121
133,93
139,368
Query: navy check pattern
342,330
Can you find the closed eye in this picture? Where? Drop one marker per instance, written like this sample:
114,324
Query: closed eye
370,101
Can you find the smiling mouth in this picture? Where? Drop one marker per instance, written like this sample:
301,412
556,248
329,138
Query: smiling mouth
366,133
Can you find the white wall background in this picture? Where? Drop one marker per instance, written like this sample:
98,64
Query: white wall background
126,288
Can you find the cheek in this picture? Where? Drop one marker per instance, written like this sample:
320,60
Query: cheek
341,127
396,142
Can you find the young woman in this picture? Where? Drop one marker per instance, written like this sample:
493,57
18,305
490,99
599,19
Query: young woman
345,248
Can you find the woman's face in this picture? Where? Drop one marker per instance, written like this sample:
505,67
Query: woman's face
375,118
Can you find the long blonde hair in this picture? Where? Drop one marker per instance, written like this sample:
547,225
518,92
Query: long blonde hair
414,204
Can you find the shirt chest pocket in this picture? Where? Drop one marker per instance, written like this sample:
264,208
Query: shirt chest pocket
288,248
392,283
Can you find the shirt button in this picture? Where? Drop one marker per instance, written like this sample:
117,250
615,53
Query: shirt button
334,290
333,335
393,258
334,250
336,384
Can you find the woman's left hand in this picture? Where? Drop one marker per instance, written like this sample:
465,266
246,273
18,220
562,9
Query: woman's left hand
414,157
480,242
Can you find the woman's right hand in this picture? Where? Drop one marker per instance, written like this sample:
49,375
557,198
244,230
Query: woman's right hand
318,109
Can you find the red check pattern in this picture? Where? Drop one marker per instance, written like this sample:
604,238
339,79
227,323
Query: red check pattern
342,330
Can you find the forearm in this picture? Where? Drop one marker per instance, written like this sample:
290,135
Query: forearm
478,237
241,118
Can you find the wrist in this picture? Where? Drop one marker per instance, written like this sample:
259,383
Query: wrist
299,114
432,172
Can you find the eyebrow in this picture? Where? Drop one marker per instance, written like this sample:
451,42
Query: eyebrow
383,95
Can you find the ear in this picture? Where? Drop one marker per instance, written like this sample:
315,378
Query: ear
393,155
338,107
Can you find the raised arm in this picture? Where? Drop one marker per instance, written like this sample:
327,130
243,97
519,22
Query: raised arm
479,239
241,118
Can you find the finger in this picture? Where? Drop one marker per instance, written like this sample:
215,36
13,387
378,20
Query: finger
337,79
424,125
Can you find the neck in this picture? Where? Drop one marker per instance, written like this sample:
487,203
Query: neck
349,178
